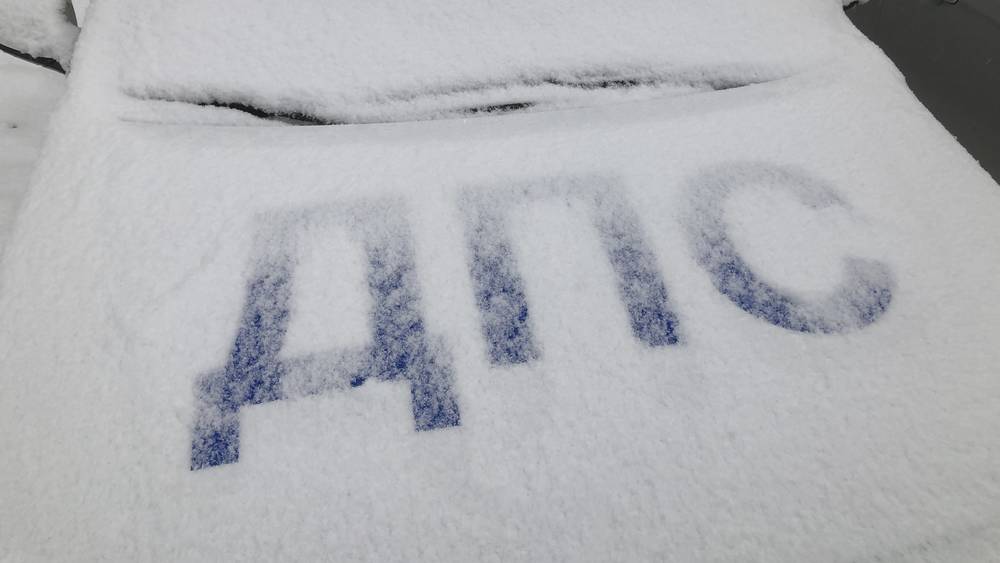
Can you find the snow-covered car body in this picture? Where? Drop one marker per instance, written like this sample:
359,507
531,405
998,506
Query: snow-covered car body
721,289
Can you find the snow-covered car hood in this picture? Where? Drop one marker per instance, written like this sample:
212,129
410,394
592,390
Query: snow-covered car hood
757,323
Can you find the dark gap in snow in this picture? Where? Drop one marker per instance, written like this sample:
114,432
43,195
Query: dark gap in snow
625,83
698,81
292,117
45,62
499,108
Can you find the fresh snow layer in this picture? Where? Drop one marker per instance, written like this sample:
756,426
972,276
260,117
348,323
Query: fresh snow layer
81,7
28,95
38,28
753,324
387,61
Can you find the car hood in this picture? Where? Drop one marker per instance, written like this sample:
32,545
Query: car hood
752,323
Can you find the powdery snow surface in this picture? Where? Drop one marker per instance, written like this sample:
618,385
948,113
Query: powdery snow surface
750,324
28,94
81,7
38,28
382,61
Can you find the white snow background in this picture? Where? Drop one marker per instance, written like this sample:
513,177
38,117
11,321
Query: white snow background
28,94
158,241
38,28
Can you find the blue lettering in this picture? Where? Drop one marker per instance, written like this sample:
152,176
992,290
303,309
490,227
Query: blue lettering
859,301
401,348
499,289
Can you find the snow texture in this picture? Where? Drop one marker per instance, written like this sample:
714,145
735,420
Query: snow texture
427,59
28,95
81,7
859,301
256,373
38,28
701,324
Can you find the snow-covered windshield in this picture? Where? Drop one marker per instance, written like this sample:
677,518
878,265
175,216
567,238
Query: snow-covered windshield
340,62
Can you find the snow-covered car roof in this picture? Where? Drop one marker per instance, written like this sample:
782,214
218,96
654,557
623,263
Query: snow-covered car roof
659,320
